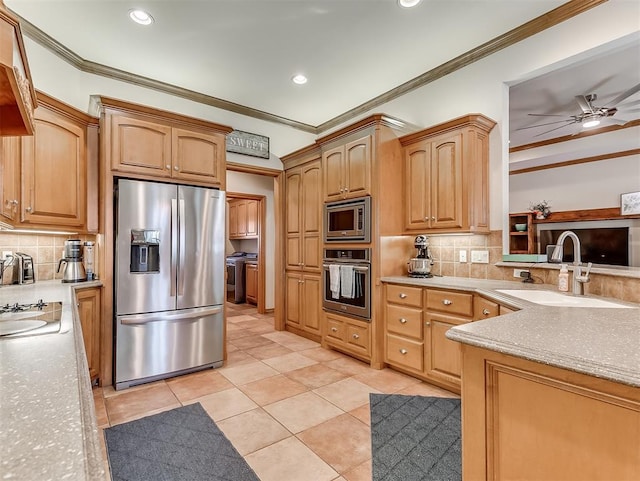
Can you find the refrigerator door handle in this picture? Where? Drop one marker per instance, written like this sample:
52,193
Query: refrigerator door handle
182,242
174,245
141,319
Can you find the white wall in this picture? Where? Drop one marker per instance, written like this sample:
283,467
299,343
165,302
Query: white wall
238,182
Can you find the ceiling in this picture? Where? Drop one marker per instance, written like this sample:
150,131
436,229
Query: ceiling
356,53
246,51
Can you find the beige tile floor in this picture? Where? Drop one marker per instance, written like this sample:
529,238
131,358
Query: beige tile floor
295,411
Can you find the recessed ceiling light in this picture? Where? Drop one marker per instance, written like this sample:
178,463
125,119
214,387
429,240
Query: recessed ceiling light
299,79
408,3
141,17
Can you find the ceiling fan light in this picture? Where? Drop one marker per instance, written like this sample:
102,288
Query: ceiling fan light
408,3
299,79
590,123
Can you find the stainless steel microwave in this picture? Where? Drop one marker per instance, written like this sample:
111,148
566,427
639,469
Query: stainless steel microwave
348,220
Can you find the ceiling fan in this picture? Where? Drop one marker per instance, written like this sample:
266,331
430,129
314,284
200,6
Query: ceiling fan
591,114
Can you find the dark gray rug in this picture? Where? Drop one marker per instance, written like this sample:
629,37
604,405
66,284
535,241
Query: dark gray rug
183,444
415,438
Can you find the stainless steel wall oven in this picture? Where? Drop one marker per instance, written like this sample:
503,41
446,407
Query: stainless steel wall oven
346,277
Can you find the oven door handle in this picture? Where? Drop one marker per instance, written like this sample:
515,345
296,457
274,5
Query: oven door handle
355,268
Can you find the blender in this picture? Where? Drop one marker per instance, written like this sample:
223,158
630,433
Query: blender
420,266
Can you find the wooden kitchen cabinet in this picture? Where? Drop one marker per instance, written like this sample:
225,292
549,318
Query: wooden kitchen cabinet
347,170
348,335
17,95
303,218
10,167
243,219
251,280
303,302
157,149
416,321
88,302
447,177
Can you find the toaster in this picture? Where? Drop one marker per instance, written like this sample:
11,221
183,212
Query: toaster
23,269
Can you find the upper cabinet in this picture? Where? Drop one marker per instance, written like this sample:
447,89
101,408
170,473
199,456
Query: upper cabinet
243,219
347,170
152,143
55,166
446,177
17,96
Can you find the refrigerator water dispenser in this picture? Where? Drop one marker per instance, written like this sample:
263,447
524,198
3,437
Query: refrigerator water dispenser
145,251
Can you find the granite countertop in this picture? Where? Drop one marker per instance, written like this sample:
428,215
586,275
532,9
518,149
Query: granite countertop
48,425
601,342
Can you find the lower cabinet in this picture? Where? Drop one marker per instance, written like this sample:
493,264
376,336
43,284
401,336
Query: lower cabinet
251,279
88,301
416,322
348,335
303,297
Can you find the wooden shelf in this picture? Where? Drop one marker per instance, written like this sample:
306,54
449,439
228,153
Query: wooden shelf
521,242
610,213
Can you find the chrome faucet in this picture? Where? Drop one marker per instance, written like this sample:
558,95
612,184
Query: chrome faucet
579,279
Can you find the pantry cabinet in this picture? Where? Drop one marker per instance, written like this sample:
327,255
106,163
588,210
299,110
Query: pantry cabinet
303,293
251,279
46,177
88,303
446,177
243,219
348,335
416,321
303,221
347,169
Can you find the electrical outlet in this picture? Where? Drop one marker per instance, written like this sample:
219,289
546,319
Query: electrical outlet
463,256
480,257
517,272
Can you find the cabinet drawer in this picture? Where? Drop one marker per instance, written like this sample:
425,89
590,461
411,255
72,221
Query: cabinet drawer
484,308
335,329
358,336
406,321
405,295
452,302
405,352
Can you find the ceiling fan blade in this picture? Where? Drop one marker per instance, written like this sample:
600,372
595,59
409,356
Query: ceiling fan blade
624,107
584,104
611,120
561,127
548,123
546,115
624,95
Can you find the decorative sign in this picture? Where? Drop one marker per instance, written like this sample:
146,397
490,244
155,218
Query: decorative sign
630,203
248,144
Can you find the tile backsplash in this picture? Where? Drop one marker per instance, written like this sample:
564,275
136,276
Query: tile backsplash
46,250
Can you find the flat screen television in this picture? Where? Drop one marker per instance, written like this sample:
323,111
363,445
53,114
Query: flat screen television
608,245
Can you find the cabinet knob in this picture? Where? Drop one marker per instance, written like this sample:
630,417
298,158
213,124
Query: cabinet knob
355,336
28,209
176,168
426,218
403,320
300,264
433,218
168,166
427,323
14,202
447,302
334,329
403,351
486,312
402,295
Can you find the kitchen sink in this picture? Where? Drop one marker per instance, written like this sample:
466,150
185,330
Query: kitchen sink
551,298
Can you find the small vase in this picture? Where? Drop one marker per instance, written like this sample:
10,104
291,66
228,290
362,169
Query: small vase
540,216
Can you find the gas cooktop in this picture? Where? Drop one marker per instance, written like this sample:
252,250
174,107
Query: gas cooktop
37,318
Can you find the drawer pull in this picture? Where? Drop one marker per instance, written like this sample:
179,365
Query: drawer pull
403,351
486,312
402,320
355,336
334,329
402,295
447,302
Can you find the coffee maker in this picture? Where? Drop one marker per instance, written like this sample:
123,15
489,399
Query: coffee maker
74,268
420,266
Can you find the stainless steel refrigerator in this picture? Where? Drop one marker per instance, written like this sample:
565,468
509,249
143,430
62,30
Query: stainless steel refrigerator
169,280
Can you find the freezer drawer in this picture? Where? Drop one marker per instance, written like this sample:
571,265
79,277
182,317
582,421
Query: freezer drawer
165,344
